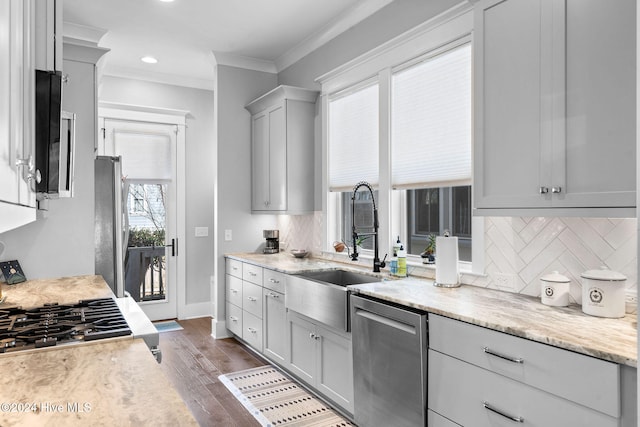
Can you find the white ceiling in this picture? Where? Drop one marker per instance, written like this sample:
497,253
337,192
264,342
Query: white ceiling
185,35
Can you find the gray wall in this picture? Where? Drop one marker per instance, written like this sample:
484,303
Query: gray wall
60,243
236,87
389,22
200,156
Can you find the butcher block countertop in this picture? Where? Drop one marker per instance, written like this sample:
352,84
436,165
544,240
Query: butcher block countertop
110,382
614,340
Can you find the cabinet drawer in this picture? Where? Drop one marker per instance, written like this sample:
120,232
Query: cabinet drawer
252,330
586,380
252,299
234,319
459,391
234,268
273,280
252,273
233,290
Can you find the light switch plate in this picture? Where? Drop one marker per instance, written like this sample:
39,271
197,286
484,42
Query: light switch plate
202,231
227,235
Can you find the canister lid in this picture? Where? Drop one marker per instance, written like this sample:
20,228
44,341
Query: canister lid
554,276
604,274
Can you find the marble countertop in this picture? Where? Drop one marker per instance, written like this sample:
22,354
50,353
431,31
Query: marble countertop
114,381
520,315
63,290
101,383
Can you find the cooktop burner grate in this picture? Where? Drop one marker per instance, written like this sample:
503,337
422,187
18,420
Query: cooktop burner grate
53,324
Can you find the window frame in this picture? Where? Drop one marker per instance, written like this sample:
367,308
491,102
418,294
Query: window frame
444,32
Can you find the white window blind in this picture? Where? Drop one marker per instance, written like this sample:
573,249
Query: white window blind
353,139
144,156
431,122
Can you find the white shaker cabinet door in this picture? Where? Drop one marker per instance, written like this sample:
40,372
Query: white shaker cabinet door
508,78
600,105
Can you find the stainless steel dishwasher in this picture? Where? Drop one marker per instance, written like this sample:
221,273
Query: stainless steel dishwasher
389,364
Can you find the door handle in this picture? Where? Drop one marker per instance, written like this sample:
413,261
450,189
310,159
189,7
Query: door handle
174,247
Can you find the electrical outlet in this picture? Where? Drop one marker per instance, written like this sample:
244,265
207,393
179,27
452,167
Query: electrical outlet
505,281
227,235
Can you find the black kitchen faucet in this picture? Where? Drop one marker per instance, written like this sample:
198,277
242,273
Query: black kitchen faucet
377,264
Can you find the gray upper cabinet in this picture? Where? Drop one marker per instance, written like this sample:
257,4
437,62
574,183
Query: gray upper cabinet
282,151
555,107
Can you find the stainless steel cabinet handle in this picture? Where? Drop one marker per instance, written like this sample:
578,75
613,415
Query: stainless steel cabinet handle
252,299
251,273
272,295
556,190
252,330
233,318
233,291
274,281
544,190
499,412
502,356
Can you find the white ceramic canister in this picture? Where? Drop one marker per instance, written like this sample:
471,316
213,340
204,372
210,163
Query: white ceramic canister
603,293
554,289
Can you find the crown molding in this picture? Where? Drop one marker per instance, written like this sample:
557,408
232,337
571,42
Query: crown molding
164,78
82,34
239,61
345,21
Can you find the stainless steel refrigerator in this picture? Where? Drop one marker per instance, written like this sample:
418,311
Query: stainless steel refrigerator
111,222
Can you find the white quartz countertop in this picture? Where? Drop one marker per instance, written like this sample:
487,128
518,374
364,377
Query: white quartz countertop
520,315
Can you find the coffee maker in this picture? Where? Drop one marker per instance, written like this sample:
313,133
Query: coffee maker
272,246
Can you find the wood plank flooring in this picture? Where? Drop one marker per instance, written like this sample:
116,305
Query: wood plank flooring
192,360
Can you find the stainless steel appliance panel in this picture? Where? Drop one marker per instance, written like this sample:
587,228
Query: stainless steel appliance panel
389,364
111,230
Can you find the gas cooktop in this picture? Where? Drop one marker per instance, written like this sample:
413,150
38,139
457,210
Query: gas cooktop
53,324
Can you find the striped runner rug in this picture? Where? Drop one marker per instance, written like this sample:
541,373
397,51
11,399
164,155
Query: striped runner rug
275,400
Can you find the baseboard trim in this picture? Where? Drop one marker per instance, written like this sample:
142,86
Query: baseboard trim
219,329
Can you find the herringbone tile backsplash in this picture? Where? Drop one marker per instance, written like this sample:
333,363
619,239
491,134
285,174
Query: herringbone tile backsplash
524,248
532,247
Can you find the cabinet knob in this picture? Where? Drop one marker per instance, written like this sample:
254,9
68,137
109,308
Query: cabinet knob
544,190
252,299
556,190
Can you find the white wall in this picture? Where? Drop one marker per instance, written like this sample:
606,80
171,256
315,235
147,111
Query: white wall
200,157
235,88
61,243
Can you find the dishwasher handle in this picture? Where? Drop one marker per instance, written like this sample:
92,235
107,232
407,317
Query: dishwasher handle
392,323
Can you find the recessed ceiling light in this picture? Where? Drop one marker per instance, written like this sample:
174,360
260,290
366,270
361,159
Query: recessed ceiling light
166,1
149,60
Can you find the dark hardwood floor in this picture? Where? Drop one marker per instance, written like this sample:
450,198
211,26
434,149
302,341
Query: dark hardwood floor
192,360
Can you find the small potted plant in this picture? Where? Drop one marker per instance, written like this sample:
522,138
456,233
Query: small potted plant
359,242
428,255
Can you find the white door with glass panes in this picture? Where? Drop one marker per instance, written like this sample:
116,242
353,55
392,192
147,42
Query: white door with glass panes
149,169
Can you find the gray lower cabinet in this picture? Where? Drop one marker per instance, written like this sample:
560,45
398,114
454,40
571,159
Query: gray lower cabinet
322,358
480,377
274,320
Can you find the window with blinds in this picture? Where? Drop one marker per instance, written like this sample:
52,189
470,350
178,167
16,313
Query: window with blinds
353,138
431,122
431,147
